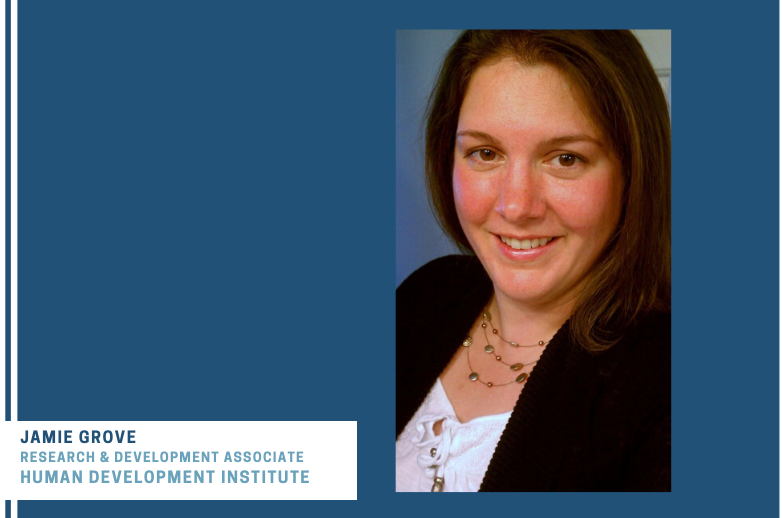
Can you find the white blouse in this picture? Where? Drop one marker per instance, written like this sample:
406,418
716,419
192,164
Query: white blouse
460,455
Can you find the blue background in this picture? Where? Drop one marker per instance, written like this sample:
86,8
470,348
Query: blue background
206,196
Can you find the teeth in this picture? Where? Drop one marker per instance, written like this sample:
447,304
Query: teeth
525,244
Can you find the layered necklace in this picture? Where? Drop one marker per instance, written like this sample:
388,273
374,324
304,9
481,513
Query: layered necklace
490,349
439,480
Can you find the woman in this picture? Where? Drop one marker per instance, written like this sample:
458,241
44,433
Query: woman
541,360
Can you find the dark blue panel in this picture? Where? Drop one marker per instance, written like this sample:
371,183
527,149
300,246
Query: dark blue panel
206,222
199,224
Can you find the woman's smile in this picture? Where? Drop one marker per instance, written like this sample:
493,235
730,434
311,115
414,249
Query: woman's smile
525,243
523,250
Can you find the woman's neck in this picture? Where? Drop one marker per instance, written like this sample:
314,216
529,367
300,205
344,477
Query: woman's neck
525,323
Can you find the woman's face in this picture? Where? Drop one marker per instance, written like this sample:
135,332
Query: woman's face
537,187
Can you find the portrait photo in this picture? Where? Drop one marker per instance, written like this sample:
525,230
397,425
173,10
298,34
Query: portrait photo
533,300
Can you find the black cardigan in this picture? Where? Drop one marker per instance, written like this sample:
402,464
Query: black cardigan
584,422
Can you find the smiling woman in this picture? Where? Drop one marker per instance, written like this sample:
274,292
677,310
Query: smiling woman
540,360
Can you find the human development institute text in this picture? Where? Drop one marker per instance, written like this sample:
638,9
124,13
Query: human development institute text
198,476
187,476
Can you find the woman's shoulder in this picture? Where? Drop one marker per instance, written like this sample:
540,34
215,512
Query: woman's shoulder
636,405
650,338
445,295
653,326
444,276
642,359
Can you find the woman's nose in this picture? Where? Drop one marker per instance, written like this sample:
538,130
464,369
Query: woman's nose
521,196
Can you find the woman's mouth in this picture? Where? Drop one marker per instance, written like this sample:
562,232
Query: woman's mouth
526,244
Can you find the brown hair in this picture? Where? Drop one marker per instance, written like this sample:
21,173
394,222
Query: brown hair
622,94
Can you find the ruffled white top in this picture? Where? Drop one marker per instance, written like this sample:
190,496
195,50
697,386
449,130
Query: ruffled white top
463,449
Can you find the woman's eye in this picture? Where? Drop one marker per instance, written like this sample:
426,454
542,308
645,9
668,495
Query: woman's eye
484,155
566,160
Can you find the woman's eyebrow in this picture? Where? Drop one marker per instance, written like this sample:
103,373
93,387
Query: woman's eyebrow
479,135
556,141
569,139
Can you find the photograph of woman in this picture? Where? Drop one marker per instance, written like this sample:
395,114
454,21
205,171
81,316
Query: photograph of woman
540,358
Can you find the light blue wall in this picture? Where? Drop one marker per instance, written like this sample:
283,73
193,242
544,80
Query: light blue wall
418,238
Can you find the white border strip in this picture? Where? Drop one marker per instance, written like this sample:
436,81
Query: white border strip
14,205
2,216
14,167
